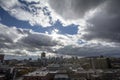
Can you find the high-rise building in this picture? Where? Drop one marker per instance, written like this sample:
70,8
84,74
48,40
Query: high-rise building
43,59
1,58
43,55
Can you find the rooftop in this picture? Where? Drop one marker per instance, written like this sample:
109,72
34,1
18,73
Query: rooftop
61,76
37,73
2,76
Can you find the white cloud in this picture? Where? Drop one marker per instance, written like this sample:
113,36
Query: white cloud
9,34
29,42
13,38
36,15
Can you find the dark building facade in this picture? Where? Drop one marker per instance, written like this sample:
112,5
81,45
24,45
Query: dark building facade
1,58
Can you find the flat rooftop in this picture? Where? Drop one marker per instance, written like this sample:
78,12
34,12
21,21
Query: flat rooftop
2,76
37,73
61,76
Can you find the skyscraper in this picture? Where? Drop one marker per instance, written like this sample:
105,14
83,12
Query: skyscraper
1,58
43,59
43,55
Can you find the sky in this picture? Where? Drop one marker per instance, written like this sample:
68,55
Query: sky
60,27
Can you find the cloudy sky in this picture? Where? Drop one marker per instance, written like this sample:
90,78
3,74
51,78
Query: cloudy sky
64,27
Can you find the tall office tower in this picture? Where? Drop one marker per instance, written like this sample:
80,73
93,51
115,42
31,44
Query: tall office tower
43,55
2,58
43,59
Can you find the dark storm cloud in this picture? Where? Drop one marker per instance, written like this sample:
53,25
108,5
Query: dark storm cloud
106,24
13,38
38,40
89,50
74,9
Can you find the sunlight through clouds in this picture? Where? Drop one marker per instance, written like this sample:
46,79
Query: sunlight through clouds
43,23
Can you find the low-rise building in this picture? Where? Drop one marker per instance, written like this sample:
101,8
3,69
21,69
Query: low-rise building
2,77
37,75
61,77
